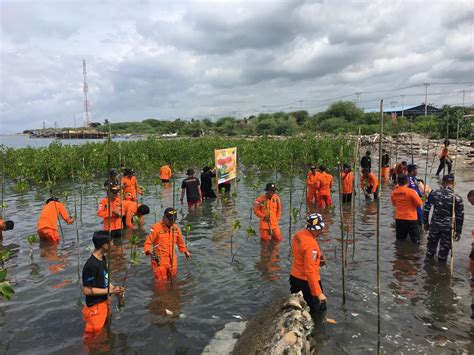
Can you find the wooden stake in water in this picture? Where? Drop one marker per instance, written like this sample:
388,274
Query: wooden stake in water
426,163
378,226
453,215
76,223
341,210
291,199
411,142
355,188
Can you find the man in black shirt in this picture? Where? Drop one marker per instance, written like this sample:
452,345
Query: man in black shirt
95,277
206,183
365,162
190,185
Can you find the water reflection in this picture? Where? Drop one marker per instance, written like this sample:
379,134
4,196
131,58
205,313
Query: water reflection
269,262
49,252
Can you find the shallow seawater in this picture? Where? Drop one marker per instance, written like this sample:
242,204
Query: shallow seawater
424,309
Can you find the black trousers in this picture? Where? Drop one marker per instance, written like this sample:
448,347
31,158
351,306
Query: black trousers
442,163
297,285
164,181
346,198
376,192
406,228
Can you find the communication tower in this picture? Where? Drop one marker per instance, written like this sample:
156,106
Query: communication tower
86,114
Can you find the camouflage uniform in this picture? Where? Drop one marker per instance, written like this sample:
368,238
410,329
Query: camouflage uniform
440,227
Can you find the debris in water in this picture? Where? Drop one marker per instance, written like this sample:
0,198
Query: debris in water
214,317
444,328
168,312
330,320
440,340
236,316
354,314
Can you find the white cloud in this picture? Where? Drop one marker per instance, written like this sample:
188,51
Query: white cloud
181,59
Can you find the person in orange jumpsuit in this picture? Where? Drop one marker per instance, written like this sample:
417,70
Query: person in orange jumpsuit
165,173
307,259
347,178
324,186
113,216
130,185
444,159
369,184
131,209
268,209
5,226
160,245
47,226
406,202
312,179
399,169
385,165
95,281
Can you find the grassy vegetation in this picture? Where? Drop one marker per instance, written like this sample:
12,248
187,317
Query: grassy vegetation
57,163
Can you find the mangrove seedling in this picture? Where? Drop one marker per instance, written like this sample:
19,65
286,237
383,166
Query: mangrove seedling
250,232
295,213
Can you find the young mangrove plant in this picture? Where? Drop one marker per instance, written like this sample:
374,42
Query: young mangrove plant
6,290
236,225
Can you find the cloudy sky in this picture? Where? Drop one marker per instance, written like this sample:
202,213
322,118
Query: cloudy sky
169,59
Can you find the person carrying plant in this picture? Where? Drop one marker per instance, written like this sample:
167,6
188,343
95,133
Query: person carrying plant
165,173
444,159
190,186
307,259
267,208
369,184
399,169
440,228
112,216
95,287
47,226
324,186
130,185
406,202
5,226
160,244
131,209
347,178
312,180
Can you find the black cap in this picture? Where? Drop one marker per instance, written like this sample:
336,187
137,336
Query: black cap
55,199
412,166
346,166
171,214
448,178
270,187
100,238
128,171
143,210
313,167
8,225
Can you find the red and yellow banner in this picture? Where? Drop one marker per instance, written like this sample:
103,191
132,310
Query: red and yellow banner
226,164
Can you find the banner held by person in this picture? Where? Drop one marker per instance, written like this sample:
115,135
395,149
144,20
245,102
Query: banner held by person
226,165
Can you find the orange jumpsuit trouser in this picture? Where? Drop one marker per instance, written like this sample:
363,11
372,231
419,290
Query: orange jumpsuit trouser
385,172
276,234
162,273
325,201
95,317
49,234
312,195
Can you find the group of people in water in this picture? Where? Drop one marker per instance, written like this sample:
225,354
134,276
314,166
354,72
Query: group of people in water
121,210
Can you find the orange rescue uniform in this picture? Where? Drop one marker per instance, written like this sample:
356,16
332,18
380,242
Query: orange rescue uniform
306,260
312,181
47,226
370,180
347,182
95,317
114,221
385,172
161,242
264,207
129,210
130,188
165,172
324,186
2,227
406,201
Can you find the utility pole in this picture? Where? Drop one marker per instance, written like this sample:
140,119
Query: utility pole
358,98
463,97
426,98
44,125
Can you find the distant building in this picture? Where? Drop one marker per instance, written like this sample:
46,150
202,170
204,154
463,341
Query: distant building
413,112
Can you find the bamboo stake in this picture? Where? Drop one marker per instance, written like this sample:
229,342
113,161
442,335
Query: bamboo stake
411,142
76,223
426,163
109,152
356,169
342,231
378,226
291,199
2,215
453,215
